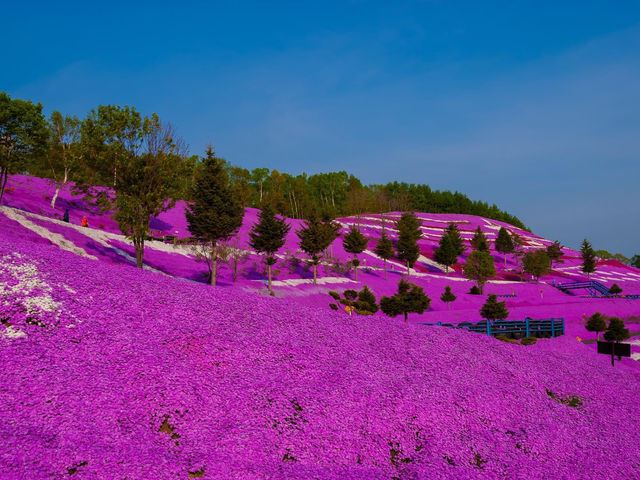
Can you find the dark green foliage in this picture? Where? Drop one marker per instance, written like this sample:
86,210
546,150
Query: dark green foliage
616,331
536,263
408,235
215,213
504,338
448,296
635,261
366,301
596,323
315,237
409,299
615,289
479,241
355,243
479,267
573,401
350,295
528,341
494,310
475,290
588,258
446,253
23,135
504,243
333,306
335,295
268,236
456,240
384,249
554,252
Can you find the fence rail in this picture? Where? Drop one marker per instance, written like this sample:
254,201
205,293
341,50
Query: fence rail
529,327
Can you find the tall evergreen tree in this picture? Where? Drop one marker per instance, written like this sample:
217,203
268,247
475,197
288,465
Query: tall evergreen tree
615,290
215,213
448,296
446,253
268,236
479,241
454,237
635,261
588,258
616,333
408,235
504,243
315,237
480,268
494,310
409,299
384,249
554,251
355,243
536,263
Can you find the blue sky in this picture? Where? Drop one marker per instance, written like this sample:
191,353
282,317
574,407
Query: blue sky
533,106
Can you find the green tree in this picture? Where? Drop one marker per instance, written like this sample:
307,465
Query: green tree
408,235
494,310
615,289
315,237
616,333
366,303
504,243
258,177
446,253
454,237
448,296
480,268
65,155
536,263
215,214
409,299
268,236
384,249
355,243
479,241
596,323
554,252
23,135
588,258
635,261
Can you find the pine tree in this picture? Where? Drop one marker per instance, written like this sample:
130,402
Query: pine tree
268,236
409,299
615,289
554,251
448,296
596,323
366,303
536,263
384,249
616,332
479,267
494,310
504,243
446,253
454,237
215,214
479,241
408,235
315,237
355,243
588,258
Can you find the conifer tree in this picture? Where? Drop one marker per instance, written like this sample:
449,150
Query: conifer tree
454,237
616,333
408,235
384,249
494,310
215,214
596,323
268,236
446,253
504,243
536,263
554,252
588,258
615,289
479,241
448,296
635,261
479,267
355,243
366,303
409,299
315,237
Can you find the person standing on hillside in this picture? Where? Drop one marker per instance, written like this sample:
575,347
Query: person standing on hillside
84,223
65,217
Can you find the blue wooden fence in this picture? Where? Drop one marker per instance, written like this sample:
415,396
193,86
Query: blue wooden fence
529,327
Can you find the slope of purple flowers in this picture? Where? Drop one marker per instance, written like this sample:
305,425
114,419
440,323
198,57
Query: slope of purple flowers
111,372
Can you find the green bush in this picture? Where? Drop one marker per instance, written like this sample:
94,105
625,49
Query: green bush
335,295
474,290
333,306
504,338
528,341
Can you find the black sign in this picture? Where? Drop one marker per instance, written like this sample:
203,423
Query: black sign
619,349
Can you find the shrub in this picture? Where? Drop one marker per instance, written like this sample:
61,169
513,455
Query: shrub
504,338
366,301
528,341
335,295
474,290
350,294
333,306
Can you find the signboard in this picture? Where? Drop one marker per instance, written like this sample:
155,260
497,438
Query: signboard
618,349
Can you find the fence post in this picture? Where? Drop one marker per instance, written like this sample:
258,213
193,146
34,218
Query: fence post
553,328
488,328
439,324
527,325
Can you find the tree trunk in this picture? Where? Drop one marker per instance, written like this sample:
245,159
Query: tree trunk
59,187
385,268
214,267
406,317
448,306
4,176
612,358
269,273
505,260
139,248
408,270
355,268
315,273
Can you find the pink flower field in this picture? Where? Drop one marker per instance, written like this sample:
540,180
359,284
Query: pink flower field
112,372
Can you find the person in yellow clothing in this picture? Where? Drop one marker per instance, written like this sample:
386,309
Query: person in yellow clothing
84,222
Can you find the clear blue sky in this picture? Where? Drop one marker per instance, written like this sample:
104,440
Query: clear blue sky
534,106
